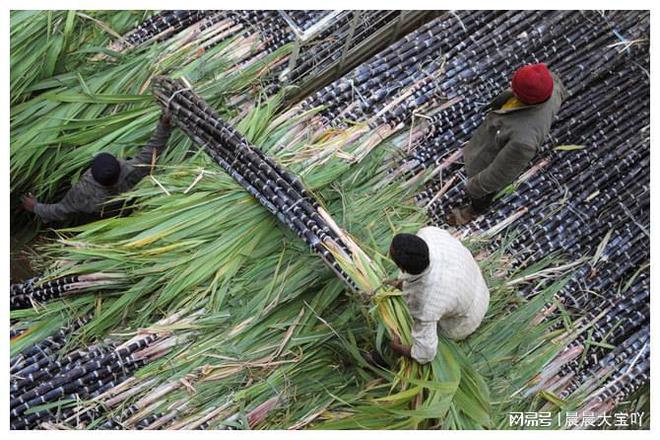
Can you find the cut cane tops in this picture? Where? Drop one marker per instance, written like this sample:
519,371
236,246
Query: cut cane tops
450,296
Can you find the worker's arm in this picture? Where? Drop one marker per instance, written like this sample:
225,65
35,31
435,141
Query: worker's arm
397,284
425,342
77,200
397,347
510,162
150,152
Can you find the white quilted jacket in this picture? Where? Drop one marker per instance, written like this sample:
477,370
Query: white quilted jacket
450,296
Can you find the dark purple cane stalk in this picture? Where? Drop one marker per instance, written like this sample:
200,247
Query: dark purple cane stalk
80,374
160,25
34,291
276,189
45,347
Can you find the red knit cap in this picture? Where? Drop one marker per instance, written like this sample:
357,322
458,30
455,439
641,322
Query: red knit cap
532,84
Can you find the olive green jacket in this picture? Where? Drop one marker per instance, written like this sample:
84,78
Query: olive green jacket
88,198
507,140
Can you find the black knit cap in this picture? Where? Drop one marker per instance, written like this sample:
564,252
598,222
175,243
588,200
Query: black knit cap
105,169
410,253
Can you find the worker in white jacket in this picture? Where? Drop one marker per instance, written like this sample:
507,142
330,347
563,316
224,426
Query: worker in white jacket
443,287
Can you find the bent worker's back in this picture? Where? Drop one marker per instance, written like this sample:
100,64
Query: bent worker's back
451,296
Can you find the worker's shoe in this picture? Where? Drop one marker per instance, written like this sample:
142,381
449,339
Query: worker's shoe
461,216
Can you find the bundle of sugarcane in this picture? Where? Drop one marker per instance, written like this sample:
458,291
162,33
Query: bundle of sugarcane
615,377
35,290
274,187
346,31
46,385
221,27
610,298
363,92
395,82
159,26
397,67
606,383
246,24
594,295
611,321
256,33
586,186
623,380
44,347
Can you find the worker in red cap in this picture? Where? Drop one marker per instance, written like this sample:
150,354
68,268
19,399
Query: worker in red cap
516,125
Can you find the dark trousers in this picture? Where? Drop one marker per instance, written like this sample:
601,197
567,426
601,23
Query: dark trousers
482,204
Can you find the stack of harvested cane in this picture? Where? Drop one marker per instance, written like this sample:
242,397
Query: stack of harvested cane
344,33
48,382
253,34
272,186
40,376
413,61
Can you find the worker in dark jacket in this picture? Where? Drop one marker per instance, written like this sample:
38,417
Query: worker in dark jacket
516,125
107,178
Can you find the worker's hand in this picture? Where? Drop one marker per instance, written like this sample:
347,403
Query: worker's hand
29,202
166,118
451,218
397,284
397,347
